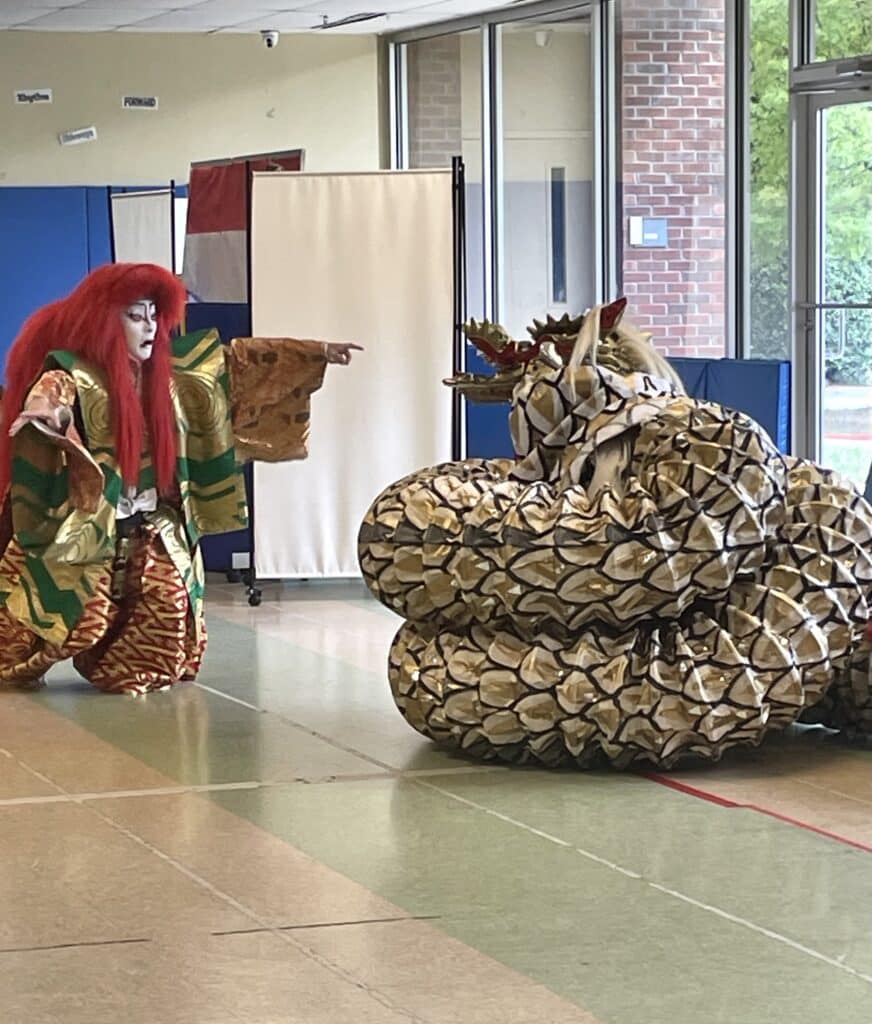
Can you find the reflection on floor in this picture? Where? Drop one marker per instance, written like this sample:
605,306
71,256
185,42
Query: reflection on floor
274,844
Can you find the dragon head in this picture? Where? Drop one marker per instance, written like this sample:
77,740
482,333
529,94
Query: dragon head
550,341
620,347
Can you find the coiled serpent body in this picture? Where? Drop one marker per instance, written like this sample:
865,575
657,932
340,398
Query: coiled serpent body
651,579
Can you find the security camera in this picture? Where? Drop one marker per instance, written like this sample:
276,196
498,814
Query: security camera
270,38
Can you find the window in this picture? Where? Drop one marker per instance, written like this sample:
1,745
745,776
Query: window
842,28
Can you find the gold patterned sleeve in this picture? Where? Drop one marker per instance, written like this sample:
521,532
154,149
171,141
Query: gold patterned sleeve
47,421
271,384
49,403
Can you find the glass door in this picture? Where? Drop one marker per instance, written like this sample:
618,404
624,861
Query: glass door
833,281
845,287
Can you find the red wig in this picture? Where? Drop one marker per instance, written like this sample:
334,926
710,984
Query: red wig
88,323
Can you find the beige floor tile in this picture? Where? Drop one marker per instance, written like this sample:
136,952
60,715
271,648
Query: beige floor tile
68,876
16,782
255,979
438,978
67,753
279,883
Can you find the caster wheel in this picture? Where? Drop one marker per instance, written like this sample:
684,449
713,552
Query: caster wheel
245,577
254,598
234,576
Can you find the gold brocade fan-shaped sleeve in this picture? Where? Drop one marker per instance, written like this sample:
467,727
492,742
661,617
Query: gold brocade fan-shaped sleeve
48,408
271,381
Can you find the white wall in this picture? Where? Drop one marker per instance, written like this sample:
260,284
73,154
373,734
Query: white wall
219,95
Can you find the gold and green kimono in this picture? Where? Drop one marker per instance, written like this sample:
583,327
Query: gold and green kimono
124,597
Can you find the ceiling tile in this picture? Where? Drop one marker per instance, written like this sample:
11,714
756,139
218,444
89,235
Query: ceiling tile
148,8
335,9
35,5
240,10
289,21
179,21
75,19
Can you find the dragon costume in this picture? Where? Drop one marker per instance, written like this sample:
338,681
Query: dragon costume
649,579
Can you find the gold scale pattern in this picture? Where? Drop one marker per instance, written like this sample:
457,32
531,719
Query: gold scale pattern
651,580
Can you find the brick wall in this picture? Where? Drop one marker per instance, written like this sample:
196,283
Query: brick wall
433,83
673,153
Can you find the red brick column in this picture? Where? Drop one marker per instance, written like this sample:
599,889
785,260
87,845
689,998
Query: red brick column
673,138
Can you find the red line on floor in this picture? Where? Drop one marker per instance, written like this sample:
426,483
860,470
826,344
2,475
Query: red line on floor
703,794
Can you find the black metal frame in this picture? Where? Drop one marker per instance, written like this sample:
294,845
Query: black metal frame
458,191
250,578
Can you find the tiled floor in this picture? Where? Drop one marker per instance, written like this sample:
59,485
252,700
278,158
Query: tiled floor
274,844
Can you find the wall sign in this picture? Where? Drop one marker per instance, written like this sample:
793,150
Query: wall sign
649,232
139,102
77,136
30,97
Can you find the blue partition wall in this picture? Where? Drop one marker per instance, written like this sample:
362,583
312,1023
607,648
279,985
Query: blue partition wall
760,388
50,238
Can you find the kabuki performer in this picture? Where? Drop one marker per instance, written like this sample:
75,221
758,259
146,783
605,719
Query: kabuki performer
120,448
650,579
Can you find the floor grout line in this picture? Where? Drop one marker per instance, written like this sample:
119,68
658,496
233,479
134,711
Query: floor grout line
300,726
674,893
834,792
345,748
74,945
230,787
220,895
321,925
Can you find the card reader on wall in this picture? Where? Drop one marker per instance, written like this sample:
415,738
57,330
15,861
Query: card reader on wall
649,232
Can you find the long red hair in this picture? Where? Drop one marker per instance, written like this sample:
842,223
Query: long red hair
88,323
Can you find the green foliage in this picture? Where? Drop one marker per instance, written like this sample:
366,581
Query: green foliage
844,28
848,333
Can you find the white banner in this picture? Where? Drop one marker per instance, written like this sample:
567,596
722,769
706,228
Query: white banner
142,228
365,258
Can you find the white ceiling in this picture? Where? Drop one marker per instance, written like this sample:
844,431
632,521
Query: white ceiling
230,15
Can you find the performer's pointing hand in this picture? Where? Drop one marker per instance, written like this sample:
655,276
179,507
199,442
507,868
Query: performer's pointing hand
340,352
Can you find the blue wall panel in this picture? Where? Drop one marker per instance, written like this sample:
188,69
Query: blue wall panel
99,227
760,388
44,251
694,375
487,425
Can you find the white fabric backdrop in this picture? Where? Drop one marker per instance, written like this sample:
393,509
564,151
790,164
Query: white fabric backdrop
142,228
181,224
365,258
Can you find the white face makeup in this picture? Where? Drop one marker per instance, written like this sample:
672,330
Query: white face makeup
140,328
